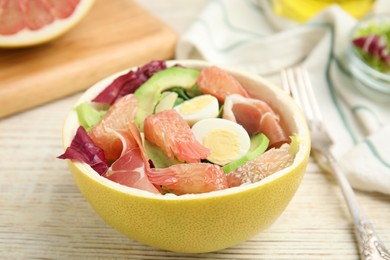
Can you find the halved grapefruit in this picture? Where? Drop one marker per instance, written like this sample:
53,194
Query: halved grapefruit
31,22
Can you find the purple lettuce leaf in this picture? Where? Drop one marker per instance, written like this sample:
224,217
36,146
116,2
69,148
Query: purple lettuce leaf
374,45
83,149
129,82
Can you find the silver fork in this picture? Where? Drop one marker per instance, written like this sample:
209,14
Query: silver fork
296,82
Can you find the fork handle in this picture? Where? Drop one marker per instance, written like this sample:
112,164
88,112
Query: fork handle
370,246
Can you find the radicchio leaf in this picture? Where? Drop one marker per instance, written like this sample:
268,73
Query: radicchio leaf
83,149
374,45
129,82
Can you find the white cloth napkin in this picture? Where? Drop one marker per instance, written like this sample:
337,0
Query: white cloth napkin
246,34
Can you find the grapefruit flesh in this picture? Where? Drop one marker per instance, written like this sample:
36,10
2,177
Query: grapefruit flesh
217,82
264,165
30,22
190,178
168,130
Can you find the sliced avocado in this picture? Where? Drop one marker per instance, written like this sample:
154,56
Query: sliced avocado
158,157
259,144
149,93
88,116
167,101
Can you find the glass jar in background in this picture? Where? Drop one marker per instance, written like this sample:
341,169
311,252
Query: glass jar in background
372,79
303,10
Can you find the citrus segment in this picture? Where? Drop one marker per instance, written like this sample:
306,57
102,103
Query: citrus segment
10,18
190,178
63,9
264,165
213,80
173,135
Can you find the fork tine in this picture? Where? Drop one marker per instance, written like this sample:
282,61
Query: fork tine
298,81
308,89
290,81
301,92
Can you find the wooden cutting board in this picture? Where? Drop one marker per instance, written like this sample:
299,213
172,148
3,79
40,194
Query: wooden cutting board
115,35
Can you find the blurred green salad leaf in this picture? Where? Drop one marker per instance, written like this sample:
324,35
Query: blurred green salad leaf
372,42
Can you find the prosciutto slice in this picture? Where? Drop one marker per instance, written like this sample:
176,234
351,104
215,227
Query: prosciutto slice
132,167
255,116
130,170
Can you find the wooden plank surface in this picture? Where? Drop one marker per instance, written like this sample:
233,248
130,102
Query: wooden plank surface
44,216
115,35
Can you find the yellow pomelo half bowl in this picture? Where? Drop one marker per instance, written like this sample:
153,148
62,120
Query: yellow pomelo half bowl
204,222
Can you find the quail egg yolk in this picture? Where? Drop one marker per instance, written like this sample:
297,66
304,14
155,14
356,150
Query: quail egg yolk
227,140
224,145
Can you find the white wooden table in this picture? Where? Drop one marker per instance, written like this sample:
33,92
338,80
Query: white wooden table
43,215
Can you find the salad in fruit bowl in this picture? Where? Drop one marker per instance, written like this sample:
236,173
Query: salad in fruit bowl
180,130
186,156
